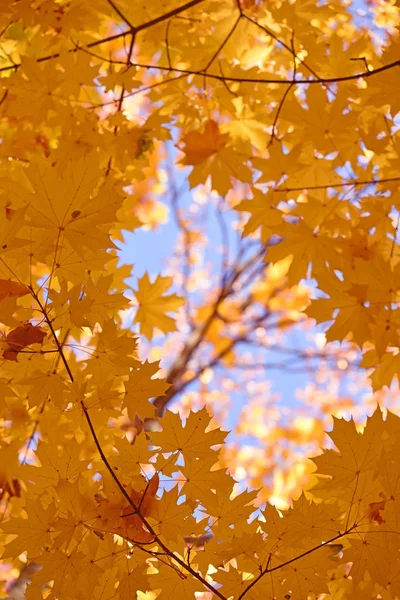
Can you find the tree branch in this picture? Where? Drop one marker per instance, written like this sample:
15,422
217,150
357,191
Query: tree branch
272,80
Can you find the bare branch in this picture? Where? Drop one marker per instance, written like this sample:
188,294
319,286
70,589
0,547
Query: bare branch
272,80
326,186
222,44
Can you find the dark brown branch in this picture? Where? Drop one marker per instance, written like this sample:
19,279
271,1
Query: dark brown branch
4,97
218,357
197,335
225,84
280,81
174,375
43,406
167,44
285,95
110,61
278,112
327,186
222,78
288,367
395,234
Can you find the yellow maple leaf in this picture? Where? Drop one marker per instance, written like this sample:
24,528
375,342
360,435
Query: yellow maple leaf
208,152
192,440
33,532
246,127
140,388
263,213
154,304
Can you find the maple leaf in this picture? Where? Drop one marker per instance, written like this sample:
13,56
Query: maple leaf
306,247
385,369
34,531
200,146
43,384
171,586
307,573
263,213
21,337
140,388
64,464
76,499
201,477
352,318
246,127
154,305
169,518
227,511
209,154
12,289
73,305
131,456
133,581
193,439
60,567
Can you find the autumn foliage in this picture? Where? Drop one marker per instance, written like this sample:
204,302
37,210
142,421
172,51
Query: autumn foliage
283,118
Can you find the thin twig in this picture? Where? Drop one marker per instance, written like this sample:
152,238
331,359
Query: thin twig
167,44
327,186
222,44
292,560
120,14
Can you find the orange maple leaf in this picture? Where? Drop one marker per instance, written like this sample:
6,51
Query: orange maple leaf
12,289
126,521
199,146
22,336
376,509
